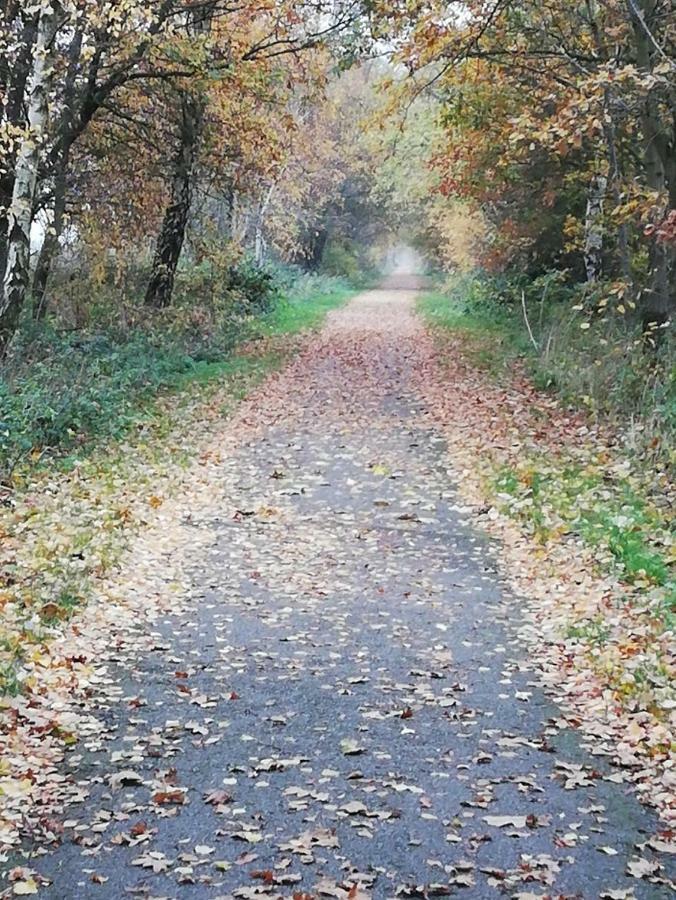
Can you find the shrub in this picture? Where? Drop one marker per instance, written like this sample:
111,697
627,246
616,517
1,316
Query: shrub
605,365
62,387
345,258
65,388
258,286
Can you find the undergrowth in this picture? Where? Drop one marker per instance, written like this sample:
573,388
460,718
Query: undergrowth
592,357
604,505
616,498
62,391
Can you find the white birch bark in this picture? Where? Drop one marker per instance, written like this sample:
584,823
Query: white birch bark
259,237
20,213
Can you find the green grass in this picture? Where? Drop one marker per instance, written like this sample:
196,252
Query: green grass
298,314
604,503
593,631
492,340
554,496
592,357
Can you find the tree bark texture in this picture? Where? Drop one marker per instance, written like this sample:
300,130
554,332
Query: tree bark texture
659,154
593,228
20,213
172,231
13,80
51,242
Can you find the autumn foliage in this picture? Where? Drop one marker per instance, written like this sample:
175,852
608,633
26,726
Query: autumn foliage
557,126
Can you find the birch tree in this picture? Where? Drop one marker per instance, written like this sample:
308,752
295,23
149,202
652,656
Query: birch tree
17,38
20,213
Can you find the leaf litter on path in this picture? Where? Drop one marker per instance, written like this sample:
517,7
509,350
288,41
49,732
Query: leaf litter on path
327,697
598,644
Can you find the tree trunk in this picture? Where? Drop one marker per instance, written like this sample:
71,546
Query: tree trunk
659,154
50,244
615,176
172,232
260,245
13,82
20,213
593,228
231,211
610,136
315,249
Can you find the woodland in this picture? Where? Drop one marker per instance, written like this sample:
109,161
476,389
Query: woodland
168,169
188,188
160,156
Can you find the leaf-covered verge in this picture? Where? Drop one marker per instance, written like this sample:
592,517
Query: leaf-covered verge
102,441
602,363
583,513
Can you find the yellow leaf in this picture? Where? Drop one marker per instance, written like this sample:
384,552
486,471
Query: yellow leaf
15,788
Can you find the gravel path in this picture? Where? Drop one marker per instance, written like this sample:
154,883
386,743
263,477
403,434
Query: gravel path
339,709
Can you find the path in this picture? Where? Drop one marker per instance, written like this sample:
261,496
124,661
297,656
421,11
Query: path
340,711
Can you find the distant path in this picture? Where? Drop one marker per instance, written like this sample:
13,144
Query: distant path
339,713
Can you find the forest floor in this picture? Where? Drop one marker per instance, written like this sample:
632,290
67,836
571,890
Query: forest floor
316,674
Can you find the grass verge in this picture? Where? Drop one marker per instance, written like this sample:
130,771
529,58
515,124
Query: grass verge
572,341
71,508
572,479
300,312
492,339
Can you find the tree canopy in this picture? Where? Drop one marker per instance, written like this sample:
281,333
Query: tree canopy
531,135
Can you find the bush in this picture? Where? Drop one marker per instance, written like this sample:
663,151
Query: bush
306,285
68,388
244,286
345,258
81,378
61,387
581,346
258,286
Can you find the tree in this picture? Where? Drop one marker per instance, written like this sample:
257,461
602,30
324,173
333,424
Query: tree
192,103
650,25
111,45
20,213
290,29
17,38
560,115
